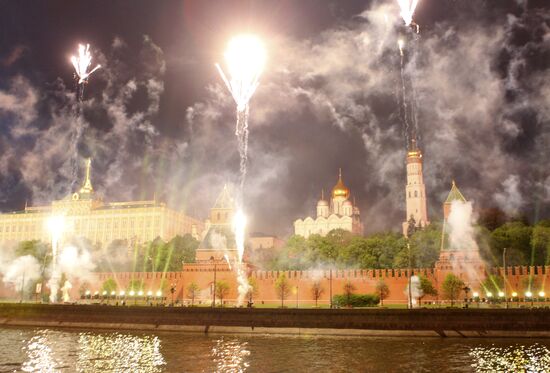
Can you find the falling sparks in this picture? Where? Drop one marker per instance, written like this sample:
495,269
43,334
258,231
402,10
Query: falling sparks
82,62
407,10
401,44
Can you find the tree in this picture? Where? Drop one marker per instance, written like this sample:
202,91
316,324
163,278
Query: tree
492,218
516,238
452,287
349,288
317,291
382,290
252,289
222,289
540,242
192,291
427,288
109,286
282,288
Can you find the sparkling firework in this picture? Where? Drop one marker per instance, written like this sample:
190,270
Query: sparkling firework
82,62
407,10
245,59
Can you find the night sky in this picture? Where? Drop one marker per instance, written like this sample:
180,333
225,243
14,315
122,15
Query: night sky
157,119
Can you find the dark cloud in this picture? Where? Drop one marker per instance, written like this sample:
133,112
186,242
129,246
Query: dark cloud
156,118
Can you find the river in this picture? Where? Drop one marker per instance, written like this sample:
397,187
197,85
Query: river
67,350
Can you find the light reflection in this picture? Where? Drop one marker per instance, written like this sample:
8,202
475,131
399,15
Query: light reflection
41,354
230,355
518,358
119,352
54,351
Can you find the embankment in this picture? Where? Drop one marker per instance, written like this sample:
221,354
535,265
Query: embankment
420,322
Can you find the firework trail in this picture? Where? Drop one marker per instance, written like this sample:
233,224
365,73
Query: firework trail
81,63
404,104
245,59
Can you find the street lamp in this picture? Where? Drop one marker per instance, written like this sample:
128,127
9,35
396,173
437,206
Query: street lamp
214,283
501,295
505,275
542,294
489,297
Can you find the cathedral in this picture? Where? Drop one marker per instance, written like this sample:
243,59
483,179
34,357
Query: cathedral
338,213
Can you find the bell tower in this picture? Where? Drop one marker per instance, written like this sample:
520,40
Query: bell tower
415,190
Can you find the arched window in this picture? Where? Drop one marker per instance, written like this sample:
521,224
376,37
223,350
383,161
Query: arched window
415,193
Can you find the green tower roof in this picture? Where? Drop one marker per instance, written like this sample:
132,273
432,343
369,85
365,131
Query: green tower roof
455,195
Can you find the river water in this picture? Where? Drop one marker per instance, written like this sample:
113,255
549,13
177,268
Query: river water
63,350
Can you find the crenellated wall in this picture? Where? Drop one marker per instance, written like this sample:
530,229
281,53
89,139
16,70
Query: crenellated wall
364,281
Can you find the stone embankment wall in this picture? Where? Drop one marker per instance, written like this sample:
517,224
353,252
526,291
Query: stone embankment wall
443,322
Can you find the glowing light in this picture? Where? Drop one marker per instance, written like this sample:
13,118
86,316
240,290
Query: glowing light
122,293
104,293
245,58
528,294
489,294
140,293
96,293
87,292
159,293
476,294
500,294
82,62
149,293
407,10
132,293
113,292
514,294
542,294
401,44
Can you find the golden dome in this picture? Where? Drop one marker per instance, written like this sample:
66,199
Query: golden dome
340,190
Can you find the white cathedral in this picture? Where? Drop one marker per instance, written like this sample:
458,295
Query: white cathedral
339,213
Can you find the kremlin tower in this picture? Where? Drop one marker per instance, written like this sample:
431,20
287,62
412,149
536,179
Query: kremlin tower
415,190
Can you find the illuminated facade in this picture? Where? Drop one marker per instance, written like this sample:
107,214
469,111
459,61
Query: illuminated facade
87,216
340,213
415,190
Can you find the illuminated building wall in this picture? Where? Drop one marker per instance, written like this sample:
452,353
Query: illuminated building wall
86,215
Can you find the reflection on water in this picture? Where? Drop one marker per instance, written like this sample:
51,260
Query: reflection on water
517,358
41,354
55,350
230,355
119,352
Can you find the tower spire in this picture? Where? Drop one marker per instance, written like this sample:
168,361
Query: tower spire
87,187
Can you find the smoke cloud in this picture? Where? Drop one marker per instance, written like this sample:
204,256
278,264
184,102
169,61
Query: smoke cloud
329,99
